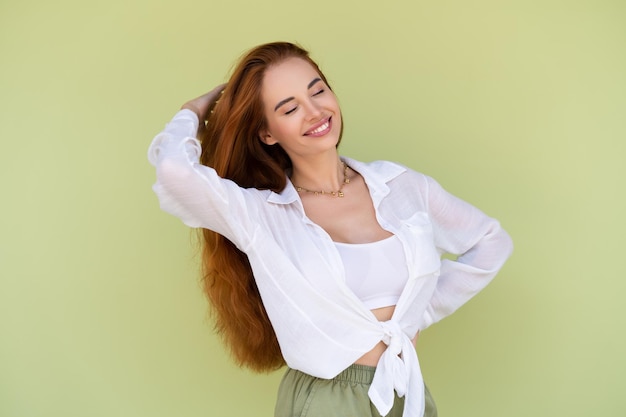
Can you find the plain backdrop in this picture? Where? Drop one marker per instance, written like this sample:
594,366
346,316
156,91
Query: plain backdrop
516,106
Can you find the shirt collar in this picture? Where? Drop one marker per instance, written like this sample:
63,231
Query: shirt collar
287,196
376,174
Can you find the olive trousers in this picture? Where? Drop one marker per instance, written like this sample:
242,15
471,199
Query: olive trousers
303,395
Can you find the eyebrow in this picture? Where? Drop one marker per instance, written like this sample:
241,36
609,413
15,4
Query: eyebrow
288,99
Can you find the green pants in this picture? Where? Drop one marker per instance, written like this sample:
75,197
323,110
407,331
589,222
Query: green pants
302,395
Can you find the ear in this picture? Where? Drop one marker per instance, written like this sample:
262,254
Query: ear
267,138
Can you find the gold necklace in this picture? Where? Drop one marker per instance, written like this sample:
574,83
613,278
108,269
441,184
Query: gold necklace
338,193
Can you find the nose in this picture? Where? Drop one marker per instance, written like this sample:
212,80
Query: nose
313,110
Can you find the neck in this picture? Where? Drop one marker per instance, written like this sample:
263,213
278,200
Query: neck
322,173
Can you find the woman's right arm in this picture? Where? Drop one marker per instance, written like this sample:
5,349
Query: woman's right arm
194,192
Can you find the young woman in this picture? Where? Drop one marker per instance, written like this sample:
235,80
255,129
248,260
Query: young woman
322,262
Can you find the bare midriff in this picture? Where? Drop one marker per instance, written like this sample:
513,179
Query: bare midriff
371,358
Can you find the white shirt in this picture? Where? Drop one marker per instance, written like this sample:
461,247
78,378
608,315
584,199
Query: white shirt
321,326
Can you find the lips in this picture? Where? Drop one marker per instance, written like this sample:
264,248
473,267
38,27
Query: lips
320,128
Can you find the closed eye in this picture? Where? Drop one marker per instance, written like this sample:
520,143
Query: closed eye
291,111
319,92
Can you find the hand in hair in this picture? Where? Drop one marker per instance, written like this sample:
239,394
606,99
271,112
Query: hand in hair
200,105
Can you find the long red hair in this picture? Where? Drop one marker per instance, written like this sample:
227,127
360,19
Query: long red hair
231,145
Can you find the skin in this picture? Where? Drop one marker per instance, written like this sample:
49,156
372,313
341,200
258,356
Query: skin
296,102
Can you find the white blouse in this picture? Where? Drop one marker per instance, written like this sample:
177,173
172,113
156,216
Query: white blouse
321,326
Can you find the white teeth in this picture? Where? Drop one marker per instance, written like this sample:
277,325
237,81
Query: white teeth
321,128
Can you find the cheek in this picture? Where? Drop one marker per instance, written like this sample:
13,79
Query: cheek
270,123
335,104
283,128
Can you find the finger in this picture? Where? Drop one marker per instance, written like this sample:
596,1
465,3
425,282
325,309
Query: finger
214,94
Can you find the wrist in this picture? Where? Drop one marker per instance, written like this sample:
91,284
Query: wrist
192,107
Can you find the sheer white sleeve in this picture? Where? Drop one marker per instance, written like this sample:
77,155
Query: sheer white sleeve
479,242
194,192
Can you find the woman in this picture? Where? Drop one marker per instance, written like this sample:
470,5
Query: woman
324,263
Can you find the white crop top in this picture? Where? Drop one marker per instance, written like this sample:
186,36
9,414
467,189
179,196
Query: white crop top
376,272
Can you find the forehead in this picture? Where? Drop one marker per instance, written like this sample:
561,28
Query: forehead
287,78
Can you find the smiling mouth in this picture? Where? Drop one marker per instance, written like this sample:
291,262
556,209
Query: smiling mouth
325,126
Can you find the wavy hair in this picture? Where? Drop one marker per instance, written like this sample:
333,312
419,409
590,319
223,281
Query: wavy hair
231,145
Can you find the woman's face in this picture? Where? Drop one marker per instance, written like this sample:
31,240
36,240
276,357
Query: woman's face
302,113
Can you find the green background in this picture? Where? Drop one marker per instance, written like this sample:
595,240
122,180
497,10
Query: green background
516,106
